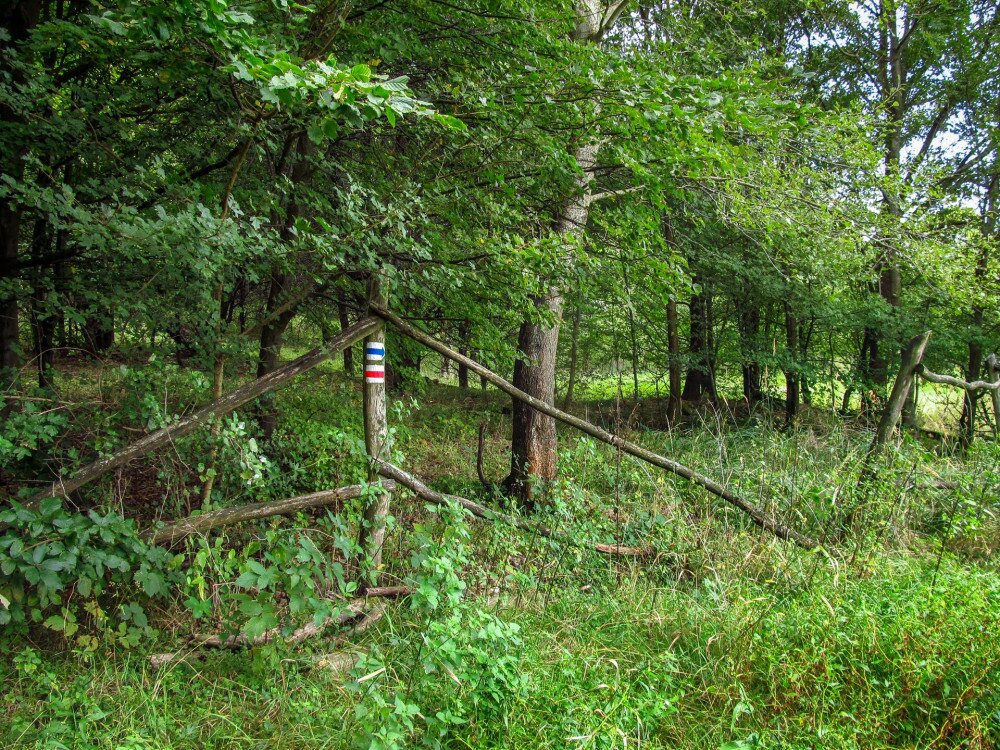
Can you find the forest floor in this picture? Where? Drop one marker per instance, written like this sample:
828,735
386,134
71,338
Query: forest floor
725,640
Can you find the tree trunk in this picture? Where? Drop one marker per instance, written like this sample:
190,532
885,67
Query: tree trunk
699,381
18,18
533,434
463,370
968,420
749,319
99,332
573,353
269,354
673,362
791,372
42,319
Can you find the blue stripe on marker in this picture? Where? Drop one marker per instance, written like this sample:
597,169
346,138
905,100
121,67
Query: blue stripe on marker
378,349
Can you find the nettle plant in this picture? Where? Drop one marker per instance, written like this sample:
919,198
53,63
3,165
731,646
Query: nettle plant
58,567
450,662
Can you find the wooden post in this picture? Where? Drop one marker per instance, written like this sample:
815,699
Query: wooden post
372,533
912,355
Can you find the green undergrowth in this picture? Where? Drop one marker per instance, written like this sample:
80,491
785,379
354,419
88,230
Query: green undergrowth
902,655
723,638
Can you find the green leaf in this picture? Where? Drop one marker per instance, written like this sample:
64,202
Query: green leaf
361,73
452,122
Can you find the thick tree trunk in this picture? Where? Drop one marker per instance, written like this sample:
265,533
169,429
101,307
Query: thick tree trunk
533,434
372,533
673,362
791,372
749,320
700,380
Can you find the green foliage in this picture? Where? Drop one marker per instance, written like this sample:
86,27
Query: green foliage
28,432
59,564
452,662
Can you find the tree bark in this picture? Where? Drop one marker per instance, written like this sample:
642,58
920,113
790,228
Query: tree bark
573,352
749,320
42,319
269,355
700,380
533,434
910,360
18,18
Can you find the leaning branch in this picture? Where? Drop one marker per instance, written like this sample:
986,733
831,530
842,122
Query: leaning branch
481,511
757,515
227,516
218,408
975,385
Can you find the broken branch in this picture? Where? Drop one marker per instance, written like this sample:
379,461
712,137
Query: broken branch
218,408
252,511
481,511
758,516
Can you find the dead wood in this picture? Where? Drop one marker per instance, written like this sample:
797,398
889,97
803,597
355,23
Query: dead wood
758,516
199,524
481,511
217,408
354,613
975,385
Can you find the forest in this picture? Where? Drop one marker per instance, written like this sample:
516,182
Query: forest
500,374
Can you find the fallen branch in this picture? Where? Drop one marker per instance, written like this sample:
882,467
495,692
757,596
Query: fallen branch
218,408
252,511
757,515
354,612
975,385
481,511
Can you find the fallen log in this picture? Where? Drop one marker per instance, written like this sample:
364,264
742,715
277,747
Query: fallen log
218,408
227,516
355,612
481,511
758,516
